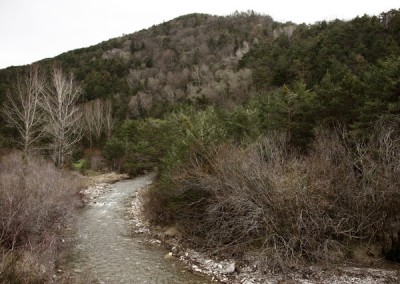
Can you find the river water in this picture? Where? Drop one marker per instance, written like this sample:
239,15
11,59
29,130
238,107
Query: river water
104,245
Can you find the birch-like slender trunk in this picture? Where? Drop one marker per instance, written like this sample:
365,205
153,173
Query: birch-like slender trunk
97,120
64,115
22,109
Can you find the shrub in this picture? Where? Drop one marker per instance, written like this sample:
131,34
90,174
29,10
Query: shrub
36,200
291,207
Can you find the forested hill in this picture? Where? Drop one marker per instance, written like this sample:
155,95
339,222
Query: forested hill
342,72
198,59
171,62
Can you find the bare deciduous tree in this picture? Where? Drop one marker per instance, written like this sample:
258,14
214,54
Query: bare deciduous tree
22,110
63,115
108,118
93,120
97,119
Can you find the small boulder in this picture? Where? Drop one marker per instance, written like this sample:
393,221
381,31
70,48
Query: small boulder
168,255
230,268
171,232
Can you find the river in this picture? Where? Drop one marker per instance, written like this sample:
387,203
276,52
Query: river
104,246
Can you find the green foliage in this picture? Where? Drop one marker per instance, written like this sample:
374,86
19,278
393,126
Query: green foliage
339,95
310,51
114,153
292,110
80,165
243,124
137,145
350,67
141,145
193,131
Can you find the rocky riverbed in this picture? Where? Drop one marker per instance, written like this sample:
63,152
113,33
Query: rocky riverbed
101,243
94,186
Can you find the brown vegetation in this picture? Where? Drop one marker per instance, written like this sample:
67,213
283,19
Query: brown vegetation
36,200
291,208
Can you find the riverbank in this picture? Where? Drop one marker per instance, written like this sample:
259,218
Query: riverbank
218,270
244,270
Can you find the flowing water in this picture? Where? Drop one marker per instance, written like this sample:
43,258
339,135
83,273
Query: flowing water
104,246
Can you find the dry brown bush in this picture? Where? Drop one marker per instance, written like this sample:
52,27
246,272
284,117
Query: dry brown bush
378,164
36,200
294,208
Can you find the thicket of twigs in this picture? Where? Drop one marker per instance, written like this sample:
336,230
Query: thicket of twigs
36,200
290,207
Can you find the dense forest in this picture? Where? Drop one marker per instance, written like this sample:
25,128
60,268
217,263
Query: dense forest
271,137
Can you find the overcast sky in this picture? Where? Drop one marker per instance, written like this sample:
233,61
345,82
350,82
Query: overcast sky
31,30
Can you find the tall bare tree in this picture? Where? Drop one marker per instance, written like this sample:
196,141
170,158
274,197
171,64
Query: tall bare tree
108,118
64,115
22,109
97,120
92,120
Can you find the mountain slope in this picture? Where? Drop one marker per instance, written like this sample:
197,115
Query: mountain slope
166,63
205,60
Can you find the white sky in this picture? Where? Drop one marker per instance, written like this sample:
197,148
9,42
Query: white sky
31,30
